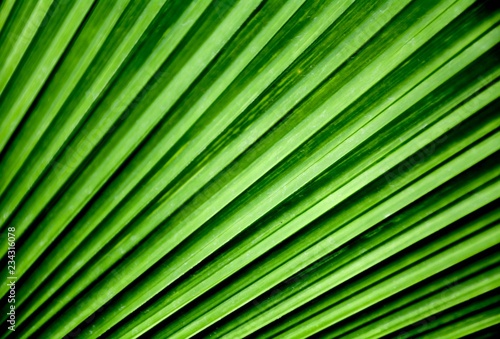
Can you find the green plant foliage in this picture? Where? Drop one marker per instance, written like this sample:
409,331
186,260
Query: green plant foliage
250,168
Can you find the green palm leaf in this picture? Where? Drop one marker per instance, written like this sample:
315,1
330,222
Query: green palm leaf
251,168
